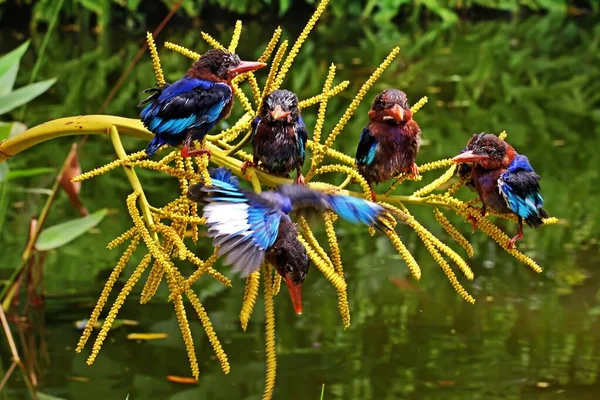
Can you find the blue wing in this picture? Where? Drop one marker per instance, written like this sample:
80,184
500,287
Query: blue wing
241,223
367,147
519,185
302,138
189,103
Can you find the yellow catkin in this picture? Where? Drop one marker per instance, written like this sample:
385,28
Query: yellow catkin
456,185
242,125
337,89
184,327
550,221
445,177
276,284
254,87
323,105
338,155
152,283
448,271
314,243
112,279
323,266
112,314
235,38
170,234
169,157
419,104
503,135
160,78
210,332
183,182
242,98
190,219
175,172
298,44
274,68
122,238
426,235
212,41
271,45
408,258
270,351
194,212
205,267
446,162
359,96
182,50
250,295
326,169
453,232
336,259
110,166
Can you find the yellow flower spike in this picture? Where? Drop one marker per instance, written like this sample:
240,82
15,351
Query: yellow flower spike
323,105
212,41
502,239
408,258
336,259
114,310
205,267
110,166
210,332
453,232
170,234
250,295
446,162
270,351
550,221
338,155
445,177
231,133
242,98
122,238
448,271
254,87
274,68
112,279
503,135
152,282
359,96
184,327
194,212
276,284
323,266
311,101
235,38
182,50
419,104
177,173
298,44
169,157
193,219
183,182
456,185
271,45
160,79
326,169
314,243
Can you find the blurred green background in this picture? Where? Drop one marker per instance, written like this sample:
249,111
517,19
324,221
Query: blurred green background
531,67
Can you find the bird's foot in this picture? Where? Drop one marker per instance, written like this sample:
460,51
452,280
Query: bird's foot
519,235
473,222
186,152
483,211
373,195
414,170
246,165
300,180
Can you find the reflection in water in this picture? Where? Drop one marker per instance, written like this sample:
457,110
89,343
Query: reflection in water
529,336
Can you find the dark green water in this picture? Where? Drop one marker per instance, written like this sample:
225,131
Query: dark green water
530,336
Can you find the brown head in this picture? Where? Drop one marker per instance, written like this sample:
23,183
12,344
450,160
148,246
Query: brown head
391,106
221,65
487,150
280,105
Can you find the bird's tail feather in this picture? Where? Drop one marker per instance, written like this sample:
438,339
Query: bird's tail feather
535,220
356,210
154,145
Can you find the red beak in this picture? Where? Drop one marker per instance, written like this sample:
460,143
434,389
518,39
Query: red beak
469,157
295,294
246,66
396,112
278,114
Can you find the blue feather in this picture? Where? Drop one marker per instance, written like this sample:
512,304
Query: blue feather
355,210
372,153
184,85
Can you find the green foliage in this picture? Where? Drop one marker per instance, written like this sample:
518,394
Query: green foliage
65,232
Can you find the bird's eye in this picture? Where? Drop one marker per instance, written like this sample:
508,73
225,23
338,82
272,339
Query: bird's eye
288,268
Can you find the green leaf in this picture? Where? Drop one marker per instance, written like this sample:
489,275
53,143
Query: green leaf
7,81
26,173
44,396
9,60
4,172
23,95
61,234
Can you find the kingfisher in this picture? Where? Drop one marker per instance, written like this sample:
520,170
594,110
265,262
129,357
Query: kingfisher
251,227
279,136
390,142
504,180
190,107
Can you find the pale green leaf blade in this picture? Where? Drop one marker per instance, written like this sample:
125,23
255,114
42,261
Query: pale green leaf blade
8,60
7,81
61,234
23,95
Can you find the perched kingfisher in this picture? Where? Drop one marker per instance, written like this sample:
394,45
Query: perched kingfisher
190,107
389,143
279,136
504,180
250,227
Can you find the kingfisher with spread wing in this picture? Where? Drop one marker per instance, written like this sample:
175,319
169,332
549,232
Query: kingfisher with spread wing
251,227
190,107
504,180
